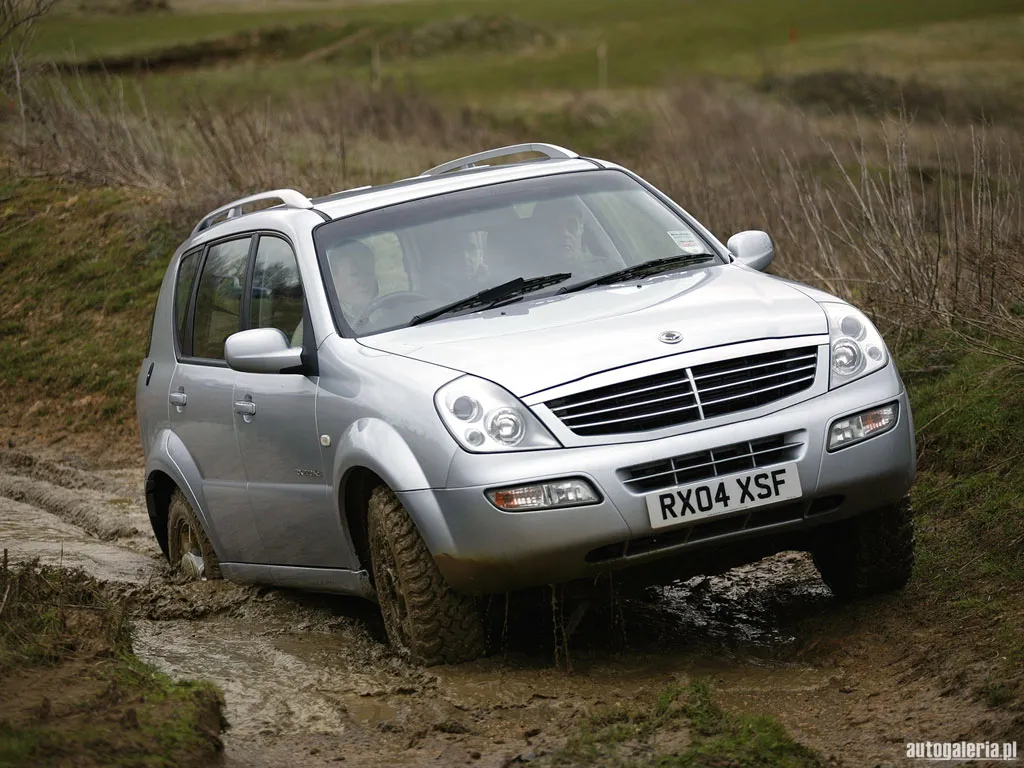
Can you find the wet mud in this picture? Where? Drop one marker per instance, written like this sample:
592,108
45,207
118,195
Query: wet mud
310,680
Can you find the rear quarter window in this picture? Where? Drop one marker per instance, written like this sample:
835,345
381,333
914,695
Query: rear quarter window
182,292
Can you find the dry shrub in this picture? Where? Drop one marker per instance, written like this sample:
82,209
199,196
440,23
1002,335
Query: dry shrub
920,225
350,136
867,93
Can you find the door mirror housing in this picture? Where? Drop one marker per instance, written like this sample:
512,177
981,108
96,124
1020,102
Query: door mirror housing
753,248
262,350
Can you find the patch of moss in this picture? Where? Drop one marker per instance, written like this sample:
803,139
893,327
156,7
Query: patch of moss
75,692
708,736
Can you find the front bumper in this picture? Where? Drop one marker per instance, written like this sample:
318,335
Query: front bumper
481,549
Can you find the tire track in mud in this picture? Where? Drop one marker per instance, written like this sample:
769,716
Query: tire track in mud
309,680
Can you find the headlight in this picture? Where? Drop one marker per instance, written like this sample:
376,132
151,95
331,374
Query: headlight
484,418
856,346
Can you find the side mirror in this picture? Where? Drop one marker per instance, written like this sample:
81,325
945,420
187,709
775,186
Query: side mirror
753,248
261,350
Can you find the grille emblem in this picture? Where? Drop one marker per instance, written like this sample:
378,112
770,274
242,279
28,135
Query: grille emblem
670,337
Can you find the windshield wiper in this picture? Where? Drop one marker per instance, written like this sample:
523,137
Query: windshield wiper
643,269
490,297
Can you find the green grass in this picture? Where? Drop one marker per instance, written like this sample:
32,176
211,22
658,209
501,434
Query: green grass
705,735
98,703
82,268
969,501
649,41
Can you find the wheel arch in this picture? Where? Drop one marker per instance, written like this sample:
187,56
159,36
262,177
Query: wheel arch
171,466
374,453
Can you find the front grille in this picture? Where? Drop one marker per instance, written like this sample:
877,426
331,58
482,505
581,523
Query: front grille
688,394
724,460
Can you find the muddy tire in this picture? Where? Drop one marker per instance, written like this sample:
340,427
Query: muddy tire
188,550
868,554
426,620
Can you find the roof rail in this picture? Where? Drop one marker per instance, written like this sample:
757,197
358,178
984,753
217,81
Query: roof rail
289,197
552,151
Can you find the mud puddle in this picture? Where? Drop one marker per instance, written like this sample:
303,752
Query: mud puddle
28,532
310,680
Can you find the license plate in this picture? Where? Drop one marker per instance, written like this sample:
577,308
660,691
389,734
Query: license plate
721,495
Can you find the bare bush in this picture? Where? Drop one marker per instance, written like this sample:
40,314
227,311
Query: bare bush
17,20
922,225
350,136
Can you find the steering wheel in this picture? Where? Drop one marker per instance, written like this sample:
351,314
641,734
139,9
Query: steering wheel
390,299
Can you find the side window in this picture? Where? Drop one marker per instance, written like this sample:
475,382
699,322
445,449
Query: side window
277,299
183,292
219,298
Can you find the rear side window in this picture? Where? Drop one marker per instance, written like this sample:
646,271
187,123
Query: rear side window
219,297
182,292
277,300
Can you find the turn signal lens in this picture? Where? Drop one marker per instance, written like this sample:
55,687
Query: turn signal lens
558,493
854,429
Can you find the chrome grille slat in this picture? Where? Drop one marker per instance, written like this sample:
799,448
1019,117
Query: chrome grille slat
715,389
633,418
756,391
722,460
742,368
681,395
683,380
692,467
758,378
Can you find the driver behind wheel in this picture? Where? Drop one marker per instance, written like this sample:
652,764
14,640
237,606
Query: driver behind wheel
354,268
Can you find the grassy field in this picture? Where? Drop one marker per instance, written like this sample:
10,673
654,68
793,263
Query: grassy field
919,222
649,43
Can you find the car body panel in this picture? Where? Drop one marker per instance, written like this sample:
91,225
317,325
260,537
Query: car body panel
287,487
205,426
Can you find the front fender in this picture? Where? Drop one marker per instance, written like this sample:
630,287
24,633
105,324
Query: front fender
378,446
170,456
374,444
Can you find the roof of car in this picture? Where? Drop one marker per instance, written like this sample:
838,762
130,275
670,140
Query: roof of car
355,201
462,173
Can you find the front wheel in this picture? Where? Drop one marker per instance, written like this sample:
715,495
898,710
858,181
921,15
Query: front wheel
188,549
426,620
867,554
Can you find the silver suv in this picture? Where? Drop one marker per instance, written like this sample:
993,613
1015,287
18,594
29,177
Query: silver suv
487,378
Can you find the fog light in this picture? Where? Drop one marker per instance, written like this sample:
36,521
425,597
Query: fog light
550,495
854,429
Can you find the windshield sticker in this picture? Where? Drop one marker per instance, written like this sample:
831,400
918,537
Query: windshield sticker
686,240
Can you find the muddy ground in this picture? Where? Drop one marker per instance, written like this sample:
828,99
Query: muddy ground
309,680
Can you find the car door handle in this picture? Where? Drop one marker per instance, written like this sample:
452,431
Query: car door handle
179,399
245,407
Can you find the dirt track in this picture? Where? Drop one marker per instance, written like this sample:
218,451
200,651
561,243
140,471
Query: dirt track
308,679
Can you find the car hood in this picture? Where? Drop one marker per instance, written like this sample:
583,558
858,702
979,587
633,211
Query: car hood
538,344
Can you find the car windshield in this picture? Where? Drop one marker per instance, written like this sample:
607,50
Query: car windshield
387,267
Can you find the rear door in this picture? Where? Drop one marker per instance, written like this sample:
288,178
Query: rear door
277,432
201,396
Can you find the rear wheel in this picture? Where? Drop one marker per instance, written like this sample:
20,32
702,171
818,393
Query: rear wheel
425,619
188,550
871,553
